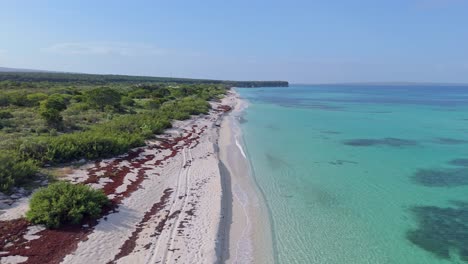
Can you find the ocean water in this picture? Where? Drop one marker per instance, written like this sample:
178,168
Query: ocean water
362,174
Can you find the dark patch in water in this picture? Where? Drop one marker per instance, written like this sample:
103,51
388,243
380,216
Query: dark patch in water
391,142
341,162
450,141
300,103
275,162
323,107
447,177
459,162
242,120
441,231
330,132
313,106
322,197
272,127
380,112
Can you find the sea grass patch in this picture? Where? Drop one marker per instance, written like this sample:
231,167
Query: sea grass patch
330,132
441,177
389,142
276,162
459,162
449,141
340,162
441,231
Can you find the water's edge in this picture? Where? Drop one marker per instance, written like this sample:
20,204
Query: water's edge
249,238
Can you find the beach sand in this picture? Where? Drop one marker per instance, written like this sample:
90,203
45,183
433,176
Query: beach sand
187,197
249,235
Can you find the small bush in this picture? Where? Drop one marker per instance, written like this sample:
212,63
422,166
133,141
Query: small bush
35,98
99,98
127,101
50,110
152,104
65,203
15,171
5,115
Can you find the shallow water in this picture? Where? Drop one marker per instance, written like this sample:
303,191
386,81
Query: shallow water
362,174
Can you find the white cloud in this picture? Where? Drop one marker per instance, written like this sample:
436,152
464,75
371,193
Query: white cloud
105,48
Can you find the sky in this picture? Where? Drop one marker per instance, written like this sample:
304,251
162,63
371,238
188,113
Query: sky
302,41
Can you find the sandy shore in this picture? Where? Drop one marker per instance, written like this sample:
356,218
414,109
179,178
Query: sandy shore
249,236
187,197
167,205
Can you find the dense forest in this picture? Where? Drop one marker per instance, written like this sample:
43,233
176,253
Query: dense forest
53,77
50,119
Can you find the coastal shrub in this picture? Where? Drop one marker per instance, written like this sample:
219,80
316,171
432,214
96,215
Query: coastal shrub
104,140
139,93
101,97
160,93
35,98
127,101
15,171
50,110
77,108
33,149
18,98
152,104
4,100
89,145
65,203
78,127
5,115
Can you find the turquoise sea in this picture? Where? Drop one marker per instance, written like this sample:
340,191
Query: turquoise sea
362,173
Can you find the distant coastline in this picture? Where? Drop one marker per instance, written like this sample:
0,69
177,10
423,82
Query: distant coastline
26,75
360,84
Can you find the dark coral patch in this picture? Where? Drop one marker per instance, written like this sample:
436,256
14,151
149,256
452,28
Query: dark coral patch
330,132
441,231
459,162
390,142
448,177
380,112
342,162
450,141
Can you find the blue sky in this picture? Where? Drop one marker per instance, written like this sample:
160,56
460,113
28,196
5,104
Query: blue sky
319,41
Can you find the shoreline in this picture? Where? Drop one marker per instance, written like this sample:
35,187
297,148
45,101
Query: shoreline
250,238
188,196
166,208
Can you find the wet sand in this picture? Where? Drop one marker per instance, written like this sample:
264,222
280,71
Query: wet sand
249,235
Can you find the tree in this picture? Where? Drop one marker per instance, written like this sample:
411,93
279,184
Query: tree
50,110
101,97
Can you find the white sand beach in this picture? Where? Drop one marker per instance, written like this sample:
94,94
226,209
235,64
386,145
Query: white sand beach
249,232
187,197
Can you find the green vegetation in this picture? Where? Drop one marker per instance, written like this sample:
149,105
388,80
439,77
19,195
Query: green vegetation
50,109
30,79
48,119
62,203
103,98
15,171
